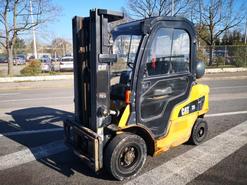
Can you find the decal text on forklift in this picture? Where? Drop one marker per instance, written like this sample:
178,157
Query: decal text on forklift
192,107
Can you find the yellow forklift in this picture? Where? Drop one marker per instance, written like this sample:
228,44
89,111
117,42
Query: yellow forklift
135,90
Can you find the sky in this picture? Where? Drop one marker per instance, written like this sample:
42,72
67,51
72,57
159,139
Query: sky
70,8
61,27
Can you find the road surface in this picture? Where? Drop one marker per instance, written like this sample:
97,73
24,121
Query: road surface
32,150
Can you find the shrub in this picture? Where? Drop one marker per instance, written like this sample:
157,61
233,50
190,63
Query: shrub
32,69
53,73
202,56
1,73
239,58
220,61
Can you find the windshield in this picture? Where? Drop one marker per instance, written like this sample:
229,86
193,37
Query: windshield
126,47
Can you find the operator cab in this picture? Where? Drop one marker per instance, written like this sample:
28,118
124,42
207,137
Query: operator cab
154,66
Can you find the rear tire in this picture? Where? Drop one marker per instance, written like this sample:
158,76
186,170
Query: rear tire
199,132
125,155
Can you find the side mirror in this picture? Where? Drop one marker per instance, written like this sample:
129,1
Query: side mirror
200,69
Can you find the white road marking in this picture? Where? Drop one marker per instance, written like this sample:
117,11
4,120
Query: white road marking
8,94
179,170
196,161
225,114
32,154
61,128
35,99
229,87
30,132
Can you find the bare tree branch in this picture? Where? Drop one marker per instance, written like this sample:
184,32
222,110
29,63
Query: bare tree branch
217,17
150,8
15,16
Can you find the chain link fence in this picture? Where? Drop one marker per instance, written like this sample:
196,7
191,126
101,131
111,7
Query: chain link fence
224,55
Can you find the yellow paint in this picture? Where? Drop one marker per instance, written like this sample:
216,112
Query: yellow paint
179,128
124,117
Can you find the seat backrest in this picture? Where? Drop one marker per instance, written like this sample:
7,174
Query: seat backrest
125,77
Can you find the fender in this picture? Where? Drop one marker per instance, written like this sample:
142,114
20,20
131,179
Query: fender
143,132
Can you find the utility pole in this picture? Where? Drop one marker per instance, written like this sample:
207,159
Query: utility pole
172,12
200,23
245,37
34,37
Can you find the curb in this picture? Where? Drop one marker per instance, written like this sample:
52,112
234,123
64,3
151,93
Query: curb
35,78
70,77
225,70
223,78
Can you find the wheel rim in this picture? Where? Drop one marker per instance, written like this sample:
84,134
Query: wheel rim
200,132
128,157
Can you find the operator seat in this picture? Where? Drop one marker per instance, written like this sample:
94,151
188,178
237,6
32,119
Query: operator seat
125,77
118,90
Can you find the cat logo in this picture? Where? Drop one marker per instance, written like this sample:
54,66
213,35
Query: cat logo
185,110
194,106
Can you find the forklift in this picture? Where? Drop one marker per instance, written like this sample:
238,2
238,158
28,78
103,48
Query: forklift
135,90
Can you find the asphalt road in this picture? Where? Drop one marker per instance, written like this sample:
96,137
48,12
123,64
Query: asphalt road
25,145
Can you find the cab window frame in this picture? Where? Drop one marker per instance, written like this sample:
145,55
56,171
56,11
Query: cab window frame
149,45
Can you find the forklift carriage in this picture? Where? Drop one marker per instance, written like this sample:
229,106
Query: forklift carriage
135,90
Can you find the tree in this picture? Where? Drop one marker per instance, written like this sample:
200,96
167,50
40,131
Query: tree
16,18
239,49
234,37
19,45
225,39
61,46
29,45
217,17
149,8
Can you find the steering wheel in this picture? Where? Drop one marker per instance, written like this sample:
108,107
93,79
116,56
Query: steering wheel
130,65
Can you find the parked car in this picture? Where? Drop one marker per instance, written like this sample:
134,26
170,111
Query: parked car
46,56
3,60
56,63
19,61
66,63
22,56
46,64
31,57
55,59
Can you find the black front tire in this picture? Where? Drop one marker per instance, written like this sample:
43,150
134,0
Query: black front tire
125,155
199,132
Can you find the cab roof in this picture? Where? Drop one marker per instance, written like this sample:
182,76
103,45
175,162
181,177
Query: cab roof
145,26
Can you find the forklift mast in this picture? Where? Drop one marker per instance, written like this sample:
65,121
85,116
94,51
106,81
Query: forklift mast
91,68
92,60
